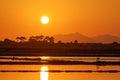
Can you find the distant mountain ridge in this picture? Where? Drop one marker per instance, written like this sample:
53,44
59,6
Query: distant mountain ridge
85,39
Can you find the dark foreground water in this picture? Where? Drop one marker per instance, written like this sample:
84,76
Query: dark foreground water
60,72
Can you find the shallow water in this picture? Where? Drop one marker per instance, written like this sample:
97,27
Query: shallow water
9,58
43,75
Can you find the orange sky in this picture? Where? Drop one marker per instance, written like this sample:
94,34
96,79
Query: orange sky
88,17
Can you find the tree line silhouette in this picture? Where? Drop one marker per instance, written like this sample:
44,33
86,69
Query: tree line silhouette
40,38
49,42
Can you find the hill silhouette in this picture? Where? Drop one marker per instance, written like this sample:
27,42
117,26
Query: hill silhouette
106,38
85,39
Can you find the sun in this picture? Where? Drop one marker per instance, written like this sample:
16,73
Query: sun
44,19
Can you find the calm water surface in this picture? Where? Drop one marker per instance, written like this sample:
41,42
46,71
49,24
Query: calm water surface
59,75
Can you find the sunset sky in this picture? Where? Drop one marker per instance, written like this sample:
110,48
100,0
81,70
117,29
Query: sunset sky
88,17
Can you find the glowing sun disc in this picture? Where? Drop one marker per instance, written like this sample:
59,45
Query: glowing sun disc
44,20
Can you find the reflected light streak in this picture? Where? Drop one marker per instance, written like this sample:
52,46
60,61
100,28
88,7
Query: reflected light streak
43,73
44,57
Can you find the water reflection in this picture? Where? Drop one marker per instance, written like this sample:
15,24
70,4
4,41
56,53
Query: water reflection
43,73
44,57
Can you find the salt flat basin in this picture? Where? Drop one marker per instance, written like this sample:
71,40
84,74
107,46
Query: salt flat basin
68,72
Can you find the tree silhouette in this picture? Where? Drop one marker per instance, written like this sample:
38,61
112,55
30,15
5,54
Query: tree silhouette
59,42
39,38
46,39
51,39
21,39
32,39
76,42
36,38
7,40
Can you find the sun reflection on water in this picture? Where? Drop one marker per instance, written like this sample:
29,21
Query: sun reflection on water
44,57
44,73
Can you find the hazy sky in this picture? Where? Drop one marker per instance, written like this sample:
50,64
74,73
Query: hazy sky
88,17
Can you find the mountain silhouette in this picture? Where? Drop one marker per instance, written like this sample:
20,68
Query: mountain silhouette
71,37
106,38
85,39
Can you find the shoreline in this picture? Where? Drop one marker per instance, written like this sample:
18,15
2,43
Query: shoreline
62,62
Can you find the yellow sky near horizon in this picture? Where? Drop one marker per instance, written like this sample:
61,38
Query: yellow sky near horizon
88,17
